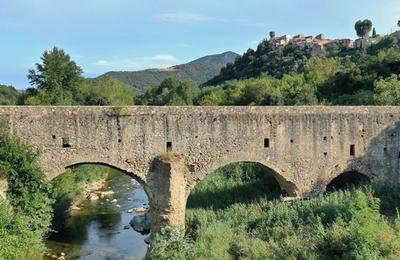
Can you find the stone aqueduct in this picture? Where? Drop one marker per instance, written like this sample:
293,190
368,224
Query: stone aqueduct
170,149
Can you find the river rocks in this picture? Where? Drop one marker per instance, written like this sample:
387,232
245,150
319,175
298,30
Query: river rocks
107,193
141,223
140,210
127,227
92,197
118,206
147,240
74,208
114,201
53,256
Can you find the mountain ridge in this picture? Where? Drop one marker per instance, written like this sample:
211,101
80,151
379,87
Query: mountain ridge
199,70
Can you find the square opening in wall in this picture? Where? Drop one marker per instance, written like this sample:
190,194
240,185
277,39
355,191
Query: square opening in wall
169,146
66,143
266,143
352,150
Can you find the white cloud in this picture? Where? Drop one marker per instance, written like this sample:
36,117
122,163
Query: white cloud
162,58
184,17
187,17
102,63
130,64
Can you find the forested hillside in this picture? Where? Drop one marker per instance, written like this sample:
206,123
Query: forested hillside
289,75
199,71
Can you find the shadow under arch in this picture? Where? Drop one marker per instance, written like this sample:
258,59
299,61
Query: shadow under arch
347,180
286,185
237,182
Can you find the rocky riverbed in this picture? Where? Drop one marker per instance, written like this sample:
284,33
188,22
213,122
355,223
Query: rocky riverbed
100,228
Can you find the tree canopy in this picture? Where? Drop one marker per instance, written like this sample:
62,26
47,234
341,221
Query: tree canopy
363,27
57,70
58,80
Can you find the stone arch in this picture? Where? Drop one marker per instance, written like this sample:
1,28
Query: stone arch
265,184
284,183
128,173
347,179
352,174
131,174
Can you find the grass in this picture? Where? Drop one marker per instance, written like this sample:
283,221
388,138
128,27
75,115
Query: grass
236,213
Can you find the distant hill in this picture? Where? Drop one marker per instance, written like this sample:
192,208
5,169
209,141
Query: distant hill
200,71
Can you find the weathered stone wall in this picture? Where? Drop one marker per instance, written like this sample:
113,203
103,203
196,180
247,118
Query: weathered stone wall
307,146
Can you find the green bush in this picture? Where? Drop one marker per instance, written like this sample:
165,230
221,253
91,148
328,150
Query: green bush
25,218
28,190
17,241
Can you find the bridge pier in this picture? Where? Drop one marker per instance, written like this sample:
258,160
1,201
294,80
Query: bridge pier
166,183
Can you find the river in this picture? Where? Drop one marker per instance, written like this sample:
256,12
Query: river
98,231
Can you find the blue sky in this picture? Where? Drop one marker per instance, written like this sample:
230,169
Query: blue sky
104,35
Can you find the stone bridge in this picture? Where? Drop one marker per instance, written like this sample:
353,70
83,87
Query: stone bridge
170,149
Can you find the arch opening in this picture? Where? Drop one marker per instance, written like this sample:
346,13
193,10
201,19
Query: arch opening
348,180
240,182
97,204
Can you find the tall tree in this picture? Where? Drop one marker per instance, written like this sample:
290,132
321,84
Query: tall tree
363,27
398,23
374,32
57,71
110,92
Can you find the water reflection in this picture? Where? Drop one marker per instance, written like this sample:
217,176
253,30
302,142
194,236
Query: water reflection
98,231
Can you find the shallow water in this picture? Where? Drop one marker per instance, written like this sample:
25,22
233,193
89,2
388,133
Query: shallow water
98,231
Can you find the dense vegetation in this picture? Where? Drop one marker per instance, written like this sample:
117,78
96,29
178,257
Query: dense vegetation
58,80
288,75
8,95
199,71
17,240
25,217
243,220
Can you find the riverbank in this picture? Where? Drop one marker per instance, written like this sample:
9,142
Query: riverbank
90,191
73,187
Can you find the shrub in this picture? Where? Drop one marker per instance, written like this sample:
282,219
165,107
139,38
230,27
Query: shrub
27,188
17,241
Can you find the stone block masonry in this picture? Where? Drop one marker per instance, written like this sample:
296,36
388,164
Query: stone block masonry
170,149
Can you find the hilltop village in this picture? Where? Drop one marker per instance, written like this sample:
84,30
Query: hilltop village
319,44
